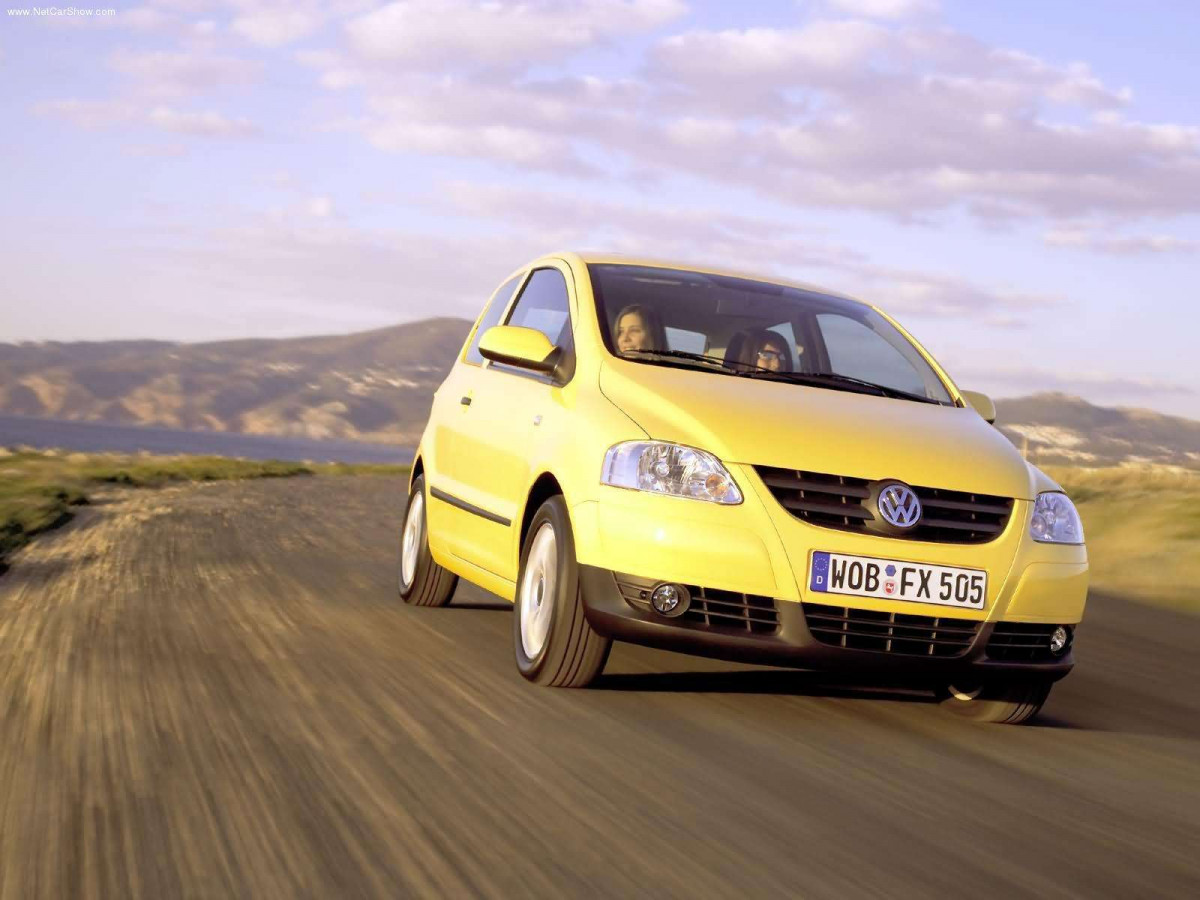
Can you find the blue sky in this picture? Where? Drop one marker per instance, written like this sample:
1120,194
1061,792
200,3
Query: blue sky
1018,182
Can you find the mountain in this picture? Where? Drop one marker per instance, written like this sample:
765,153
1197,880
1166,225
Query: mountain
1060,428
373,385
378,385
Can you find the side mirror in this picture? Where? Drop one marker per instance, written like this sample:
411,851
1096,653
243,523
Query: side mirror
982,404
525,348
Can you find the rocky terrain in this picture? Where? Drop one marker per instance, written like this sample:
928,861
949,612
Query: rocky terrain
378,385
1059,428
373,385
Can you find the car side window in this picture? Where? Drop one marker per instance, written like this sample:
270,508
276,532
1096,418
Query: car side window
491,316
543,306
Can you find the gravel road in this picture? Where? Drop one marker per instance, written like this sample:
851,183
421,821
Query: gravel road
213,691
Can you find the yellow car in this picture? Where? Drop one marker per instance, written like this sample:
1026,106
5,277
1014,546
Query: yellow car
741,468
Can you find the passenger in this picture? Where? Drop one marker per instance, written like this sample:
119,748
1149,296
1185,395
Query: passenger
639,328
768,350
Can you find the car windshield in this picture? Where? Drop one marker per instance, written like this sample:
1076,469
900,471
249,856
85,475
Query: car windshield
742,327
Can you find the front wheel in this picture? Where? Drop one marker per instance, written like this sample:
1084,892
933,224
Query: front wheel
1008,704
555,645
422,581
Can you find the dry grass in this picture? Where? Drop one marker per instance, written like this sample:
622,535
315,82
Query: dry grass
1143,530
39,488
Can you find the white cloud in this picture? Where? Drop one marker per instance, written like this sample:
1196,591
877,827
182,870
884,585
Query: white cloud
320,207
903,120
712,236
885,9
1125,245
275,27
166,74
458,33
95,114
88,114
203,124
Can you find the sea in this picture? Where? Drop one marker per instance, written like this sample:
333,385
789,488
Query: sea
95,437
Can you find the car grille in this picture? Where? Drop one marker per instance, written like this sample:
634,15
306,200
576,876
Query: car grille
865,629
1021,641
839,501
710,608
727,610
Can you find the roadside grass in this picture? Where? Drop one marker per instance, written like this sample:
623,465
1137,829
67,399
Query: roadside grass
1142,524
1142,527
39,490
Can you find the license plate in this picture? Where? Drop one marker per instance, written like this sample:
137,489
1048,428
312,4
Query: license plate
892,579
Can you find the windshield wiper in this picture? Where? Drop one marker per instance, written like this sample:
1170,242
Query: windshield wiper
831,378
816,379
727,365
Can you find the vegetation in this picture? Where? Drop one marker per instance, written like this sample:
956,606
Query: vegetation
40,489
1143,530
1142,524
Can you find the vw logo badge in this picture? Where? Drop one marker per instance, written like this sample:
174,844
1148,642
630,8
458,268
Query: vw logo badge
899,505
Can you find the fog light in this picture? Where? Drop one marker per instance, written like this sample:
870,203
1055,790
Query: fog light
670,599
1059,640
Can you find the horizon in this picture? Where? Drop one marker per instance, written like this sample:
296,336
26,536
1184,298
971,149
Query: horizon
1017,197
468,322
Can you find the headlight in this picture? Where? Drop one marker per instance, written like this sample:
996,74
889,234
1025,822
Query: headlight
669,469
1055,520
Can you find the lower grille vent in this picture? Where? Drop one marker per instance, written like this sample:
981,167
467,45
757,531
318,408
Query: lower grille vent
884,632
710,608
1021,641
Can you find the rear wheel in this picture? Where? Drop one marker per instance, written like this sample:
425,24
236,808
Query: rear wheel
553,641
422,581
1010,704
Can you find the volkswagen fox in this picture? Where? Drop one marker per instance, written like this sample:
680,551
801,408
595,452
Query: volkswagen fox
743,468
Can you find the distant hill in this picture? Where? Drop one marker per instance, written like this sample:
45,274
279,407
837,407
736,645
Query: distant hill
373,385
378,386
1060,428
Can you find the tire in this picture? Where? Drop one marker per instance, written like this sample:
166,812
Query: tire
1010,704
427,584
554,643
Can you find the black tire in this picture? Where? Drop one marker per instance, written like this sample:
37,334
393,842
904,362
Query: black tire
431,585
1010,704
573,654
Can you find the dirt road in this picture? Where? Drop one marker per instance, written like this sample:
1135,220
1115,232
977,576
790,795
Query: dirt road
212,691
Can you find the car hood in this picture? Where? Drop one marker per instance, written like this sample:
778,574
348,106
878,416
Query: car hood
792,426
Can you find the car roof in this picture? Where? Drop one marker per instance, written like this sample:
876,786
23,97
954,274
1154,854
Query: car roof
601,258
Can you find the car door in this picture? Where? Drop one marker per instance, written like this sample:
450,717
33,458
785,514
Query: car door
452,437
512,411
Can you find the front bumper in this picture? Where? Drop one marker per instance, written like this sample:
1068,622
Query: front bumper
793,644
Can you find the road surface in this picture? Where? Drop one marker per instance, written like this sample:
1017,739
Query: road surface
213,691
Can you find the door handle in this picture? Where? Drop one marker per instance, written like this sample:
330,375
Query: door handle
465,401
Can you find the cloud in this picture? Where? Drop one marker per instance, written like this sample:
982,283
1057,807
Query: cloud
1123,245
96,114
716,237
320,207
203,124
275,27
885,9
178,74
906,120
1025,379
457,33
89,114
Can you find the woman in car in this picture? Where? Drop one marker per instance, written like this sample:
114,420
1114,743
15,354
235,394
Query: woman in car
768,350
639,328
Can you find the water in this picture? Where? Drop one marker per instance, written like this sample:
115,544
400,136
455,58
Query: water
94,437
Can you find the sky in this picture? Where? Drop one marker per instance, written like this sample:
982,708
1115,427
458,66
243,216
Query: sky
1017,182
